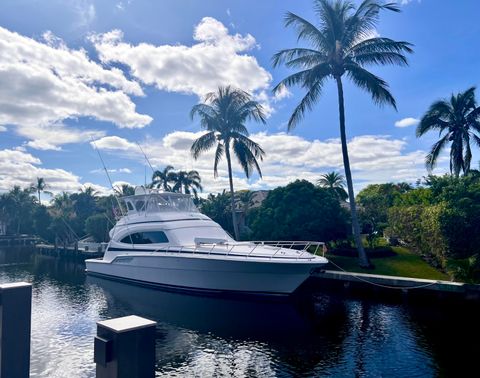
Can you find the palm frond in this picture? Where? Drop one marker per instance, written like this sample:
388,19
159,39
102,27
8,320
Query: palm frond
436,118
377,87
381,58
202,144
307,31
431,158
218,156
291,54
307,103
246,158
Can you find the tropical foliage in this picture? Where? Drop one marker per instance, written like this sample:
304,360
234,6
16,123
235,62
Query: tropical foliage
224,115
299,211
443,225
335,182
341,44
163,179
457,122
187,182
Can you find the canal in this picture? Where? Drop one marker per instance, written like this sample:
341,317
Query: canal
315,335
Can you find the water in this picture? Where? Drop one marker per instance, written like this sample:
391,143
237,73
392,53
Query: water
317,335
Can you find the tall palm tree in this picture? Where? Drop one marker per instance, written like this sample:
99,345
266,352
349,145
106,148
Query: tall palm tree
458,119
341,44
163,178
224,115
335,182
187,182
39,186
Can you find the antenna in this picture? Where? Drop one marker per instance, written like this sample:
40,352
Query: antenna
146,158
106,172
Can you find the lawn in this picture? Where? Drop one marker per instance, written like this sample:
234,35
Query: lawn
404,263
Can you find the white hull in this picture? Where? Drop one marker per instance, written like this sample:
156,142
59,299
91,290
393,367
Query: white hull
272,276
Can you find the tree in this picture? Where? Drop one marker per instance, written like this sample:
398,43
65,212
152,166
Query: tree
39,186
97,226
335,182
458,122
217,207
299,211
224,115
376,199
162,179
19,205
246,199
342,44
187,182
124,190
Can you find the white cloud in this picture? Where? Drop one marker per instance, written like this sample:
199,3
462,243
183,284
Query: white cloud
115,170
218,58
85,11
44,84
407,122
21,168
374,158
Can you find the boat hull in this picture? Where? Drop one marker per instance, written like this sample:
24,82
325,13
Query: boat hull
208,274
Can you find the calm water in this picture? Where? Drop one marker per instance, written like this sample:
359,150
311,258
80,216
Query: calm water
319,335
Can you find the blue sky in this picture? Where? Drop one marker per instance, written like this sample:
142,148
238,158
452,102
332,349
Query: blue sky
127,72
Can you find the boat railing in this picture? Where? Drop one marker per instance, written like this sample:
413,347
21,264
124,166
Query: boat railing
304,249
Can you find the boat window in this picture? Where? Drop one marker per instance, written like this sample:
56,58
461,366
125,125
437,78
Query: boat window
129,206
140,205
147,237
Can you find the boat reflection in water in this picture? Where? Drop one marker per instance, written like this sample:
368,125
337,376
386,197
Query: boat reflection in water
198,335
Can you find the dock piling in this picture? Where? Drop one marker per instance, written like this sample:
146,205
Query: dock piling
125,348
15,328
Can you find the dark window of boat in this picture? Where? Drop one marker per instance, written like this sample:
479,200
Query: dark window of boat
148,237
140,205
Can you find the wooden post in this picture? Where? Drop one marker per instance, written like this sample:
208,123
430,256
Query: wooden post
15,326
125,348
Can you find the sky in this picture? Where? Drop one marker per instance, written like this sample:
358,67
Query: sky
122,73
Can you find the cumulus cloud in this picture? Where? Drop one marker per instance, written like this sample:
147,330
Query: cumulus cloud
21,168
114,170
218,58
374,158
43,83
407,122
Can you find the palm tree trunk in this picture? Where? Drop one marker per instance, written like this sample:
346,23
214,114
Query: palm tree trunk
232,193
39,197
362,255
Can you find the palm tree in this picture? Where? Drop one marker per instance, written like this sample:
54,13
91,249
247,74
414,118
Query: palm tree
124,190
39,187
459,120
224,115
342,44
335,182
246,199
162,179
187,182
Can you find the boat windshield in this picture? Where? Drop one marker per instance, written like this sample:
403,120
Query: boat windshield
160,202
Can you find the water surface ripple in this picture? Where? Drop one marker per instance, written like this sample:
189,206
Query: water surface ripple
317,335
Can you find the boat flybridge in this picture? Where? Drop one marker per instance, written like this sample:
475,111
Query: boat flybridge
163,240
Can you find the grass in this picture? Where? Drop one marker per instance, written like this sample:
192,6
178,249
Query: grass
405,264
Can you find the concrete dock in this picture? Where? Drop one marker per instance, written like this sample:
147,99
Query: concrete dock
363,282
67,251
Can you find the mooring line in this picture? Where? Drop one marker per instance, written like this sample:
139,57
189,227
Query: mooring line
384,286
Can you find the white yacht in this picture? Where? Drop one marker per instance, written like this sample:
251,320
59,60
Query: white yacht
163,240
